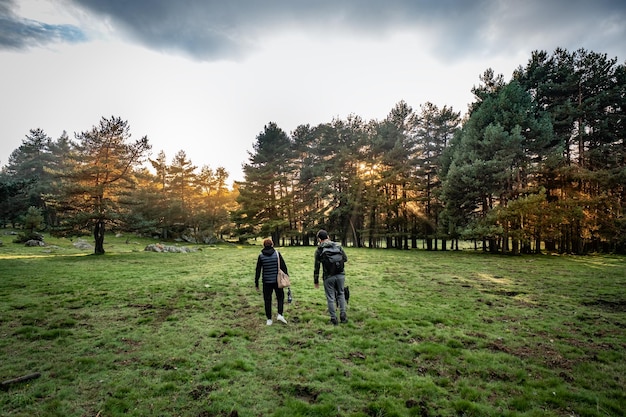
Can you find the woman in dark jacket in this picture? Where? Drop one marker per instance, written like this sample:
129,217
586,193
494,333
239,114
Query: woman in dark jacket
267,262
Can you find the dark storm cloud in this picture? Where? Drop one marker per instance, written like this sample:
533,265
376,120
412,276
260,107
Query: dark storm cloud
209,30
18,33
452,29
214,29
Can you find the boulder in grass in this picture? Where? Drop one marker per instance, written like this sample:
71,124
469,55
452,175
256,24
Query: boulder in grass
34,242
82,244
154,247
159,247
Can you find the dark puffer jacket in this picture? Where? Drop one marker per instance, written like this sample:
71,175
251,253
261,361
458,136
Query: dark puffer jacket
267,263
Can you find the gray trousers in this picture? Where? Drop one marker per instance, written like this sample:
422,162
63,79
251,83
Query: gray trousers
333,287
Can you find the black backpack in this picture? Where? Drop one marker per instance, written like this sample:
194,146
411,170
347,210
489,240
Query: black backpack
332,260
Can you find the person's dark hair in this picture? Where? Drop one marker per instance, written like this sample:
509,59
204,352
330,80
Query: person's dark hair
322,234
268,243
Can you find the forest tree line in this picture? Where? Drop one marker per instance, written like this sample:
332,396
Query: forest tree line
102,181
537,163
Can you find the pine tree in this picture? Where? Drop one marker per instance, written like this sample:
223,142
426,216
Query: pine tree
264,194
102,172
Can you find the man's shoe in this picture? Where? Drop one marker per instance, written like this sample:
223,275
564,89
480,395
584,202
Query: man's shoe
281,318
269,322
333,322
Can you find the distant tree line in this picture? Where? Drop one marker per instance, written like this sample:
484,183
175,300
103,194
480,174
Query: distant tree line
99,181
538,163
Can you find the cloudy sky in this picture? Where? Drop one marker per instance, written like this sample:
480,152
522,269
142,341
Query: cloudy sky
206,76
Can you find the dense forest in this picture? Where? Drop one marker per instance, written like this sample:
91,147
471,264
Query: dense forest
538,163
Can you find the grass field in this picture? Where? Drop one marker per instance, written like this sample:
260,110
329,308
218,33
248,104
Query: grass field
135,333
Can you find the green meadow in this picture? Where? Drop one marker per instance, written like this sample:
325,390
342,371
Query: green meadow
136,333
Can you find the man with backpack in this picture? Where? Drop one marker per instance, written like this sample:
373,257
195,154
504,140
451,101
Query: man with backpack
331,256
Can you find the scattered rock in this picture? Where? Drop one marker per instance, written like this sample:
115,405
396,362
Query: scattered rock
82,244
159,247
188,239
33,242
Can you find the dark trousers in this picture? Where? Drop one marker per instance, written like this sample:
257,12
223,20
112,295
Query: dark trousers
335,291
268,289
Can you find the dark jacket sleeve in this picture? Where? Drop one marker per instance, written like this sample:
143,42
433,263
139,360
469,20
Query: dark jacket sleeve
257,274
316,269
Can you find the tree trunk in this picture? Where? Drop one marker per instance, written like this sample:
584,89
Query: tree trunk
98,234
537,241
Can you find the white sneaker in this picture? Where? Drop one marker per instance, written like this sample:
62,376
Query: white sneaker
269,322
281,318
